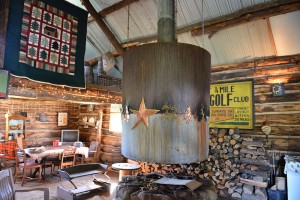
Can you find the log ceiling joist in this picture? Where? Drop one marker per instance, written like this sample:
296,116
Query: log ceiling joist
110,36
113,8
247,15
212,26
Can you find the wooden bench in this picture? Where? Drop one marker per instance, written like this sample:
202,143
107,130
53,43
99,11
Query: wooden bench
79,171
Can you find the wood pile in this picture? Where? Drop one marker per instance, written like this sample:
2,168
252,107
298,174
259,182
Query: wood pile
239,167
221,166
255,170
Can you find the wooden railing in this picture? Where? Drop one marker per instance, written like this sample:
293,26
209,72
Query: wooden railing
104,80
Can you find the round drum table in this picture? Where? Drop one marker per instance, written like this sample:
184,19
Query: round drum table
125,168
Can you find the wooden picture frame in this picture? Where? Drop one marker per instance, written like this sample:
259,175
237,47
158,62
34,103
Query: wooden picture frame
15,126
4,83
62,119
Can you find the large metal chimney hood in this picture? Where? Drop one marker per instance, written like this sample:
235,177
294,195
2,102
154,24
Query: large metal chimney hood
173,78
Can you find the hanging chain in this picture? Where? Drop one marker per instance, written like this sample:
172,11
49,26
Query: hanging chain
202,23
176,18
128,13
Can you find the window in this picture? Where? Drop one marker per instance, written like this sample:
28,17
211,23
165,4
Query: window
115,122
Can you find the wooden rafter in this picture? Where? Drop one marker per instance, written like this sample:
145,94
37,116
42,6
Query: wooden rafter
212,26
113,8
110,36
256,12
260,11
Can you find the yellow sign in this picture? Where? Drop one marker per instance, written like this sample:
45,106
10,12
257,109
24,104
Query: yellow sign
231,105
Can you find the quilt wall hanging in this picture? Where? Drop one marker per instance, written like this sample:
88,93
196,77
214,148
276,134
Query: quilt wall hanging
46,41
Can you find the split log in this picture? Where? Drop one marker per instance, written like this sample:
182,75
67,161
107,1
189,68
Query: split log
265,174
254,183
253,152
252,143
254,162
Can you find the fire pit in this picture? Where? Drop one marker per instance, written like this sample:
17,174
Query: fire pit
145,187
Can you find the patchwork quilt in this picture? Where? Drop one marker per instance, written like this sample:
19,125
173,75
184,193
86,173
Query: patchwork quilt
46,41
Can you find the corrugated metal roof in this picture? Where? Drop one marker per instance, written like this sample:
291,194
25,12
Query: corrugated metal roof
286,29
236,44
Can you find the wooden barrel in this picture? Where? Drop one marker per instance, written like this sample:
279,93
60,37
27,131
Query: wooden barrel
166,73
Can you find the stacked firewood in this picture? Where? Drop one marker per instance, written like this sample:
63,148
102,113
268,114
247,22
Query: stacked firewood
222,165
255,170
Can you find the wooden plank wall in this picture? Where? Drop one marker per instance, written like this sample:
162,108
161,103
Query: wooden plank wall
281,113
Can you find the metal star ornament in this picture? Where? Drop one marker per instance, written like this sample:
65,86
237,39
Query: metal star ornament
143,114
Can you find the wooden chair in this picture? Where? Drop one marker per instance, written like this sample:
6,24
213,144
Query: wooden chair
93,156
2,161
22,163
68,158
47,164
7,190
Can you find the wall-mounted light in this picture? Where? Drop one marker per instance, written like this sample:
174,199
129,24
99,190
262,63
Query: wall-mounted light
277,89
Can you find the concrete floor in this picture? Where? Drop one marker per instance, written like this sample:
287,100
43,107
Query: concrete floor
53,182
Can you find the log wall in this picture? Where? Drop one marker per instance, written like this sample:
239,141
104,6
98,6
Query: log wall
281,113
37,131
110,151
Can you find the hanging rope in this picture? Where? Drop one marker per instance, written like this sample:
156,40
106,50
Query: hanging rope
202,18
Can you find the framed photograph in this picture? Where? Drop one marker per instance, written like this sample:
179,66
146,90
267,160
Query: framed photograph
62,119
4,84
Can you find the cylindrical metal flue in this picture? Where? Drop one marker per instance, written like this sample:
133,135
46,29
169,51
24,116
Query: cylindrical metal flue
166,21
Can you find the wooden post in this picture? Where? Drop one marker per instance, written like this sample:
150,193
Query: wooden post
4,11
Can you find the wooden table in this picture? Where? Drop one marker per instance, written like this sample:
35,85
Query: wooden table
125,168
40,152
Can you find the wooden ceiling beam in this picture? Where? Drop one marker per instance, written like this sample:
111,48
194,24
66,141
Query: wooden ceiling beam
110,36
260,11
110,9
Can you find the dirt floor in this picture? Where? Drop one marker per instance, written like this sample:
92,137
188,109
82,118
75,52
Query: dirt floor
53,182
